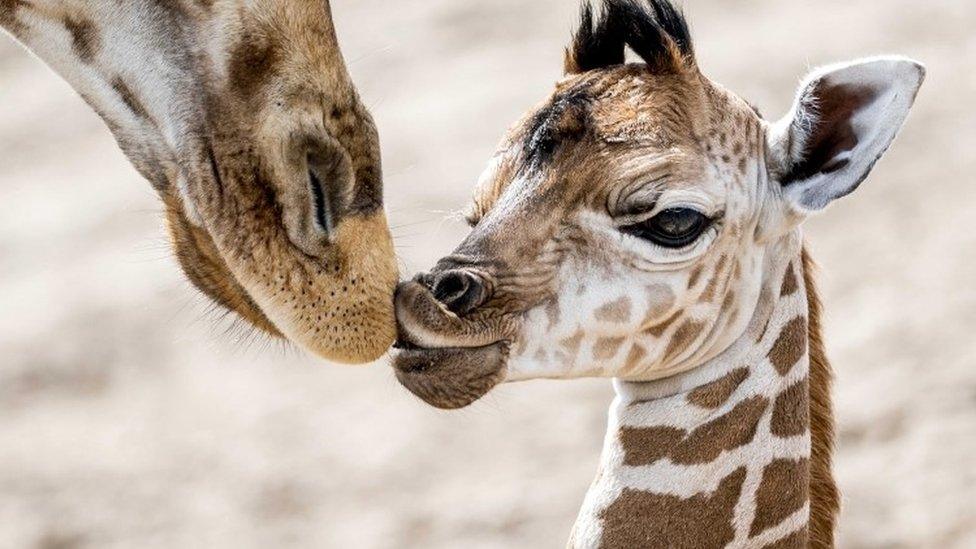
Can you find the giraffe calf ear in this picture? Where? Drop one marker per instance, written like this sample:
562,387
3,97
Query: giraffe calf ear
844,118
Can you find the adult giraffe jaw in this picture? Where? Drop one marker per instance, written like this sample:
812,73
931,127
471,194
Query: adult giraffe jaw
244,119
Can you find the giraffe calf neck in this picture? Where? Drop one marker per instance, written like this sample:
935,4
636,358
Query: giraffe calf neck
727,444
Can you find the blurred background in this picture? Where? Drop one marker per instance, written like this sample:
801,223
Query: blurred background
132,415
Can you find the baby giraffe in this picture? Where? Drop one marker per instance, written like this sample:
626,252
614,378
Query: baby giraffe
643,224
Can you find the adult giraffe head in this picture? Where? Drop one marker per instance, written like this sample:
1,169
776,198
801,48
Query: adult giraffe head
244,119
625,226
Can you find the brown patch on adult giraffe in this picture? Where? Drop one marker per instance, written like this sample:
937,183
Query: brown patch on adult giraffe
645,519
615,311
716,393
824,498
252,62
789,346
682,338
8,15
552,312
130,99
541,356
782,492
796,540
790,284
735,428
607,347
790,416
84,38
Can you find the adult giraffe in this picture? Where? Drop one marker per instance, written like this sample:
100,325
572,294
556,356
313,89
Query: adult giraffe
244,119
644,224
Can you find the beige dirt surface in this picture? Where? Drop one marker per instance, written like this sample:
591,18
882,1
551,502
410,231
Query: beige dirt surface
132,416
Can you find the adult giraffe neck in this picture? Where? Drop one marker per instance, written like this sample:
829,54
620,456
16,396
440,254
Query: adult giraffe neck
735,453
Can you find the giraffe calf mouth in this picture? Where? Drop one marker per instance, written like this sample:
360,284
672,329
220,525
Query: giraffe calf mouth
446,361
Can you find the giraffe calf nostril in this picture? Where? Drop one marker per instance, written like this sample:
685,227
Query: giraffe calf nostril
459,291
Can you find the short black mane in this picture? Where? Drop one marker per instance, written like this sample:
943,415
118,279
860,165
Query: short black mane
655,29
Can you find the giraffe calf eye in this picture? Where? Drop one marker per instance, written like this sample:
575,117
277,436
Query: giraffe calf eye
671,228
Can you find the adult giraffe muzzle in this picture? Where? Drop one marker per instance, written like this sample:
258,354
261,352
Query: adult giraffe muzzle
243,117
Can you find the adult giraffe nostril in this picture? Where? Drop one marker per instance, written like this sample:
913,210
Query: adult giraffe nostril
460,291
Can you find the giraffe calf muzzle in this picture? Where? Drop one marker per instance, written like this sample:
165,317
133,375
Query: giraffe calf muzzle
445,359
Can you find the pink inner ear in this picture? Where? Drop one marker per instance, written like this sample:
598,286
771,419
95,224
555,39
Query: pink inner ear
832,133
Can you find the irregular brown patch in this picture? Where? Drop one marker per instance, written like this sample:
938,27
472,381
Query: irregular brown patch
552,312
130,99
716,393
790,283
683,337
743,164
658,329
709,293
616,311
634,359
8,15
728,301
790,411
790,345
782,491
737,427
84,38
572,343
541,356
252,62
796,540
694,276
607,347
645,519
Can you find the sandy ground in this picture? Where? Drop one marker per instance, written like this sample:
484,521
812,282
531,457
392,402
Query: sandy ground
132,417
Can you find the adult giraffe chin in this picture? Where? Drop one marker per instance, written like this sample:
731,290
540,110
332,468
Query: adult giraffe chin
244,119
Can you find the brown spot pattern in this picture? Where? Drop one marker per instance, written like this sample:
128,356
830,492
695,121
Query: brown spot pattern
683,337
790,345
84,38
634,358
645,519
130,99
709,293
572,343
251,64
782,492
616,311
552,312
607,347
716,393
694,276
658,329
790,284
737,427
790,416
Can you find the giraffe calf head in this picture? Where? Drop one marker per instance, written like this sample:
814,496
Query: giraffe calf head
624,227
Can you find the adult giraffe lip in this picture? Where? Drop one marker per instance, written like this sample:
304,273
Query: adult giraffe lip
439,358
